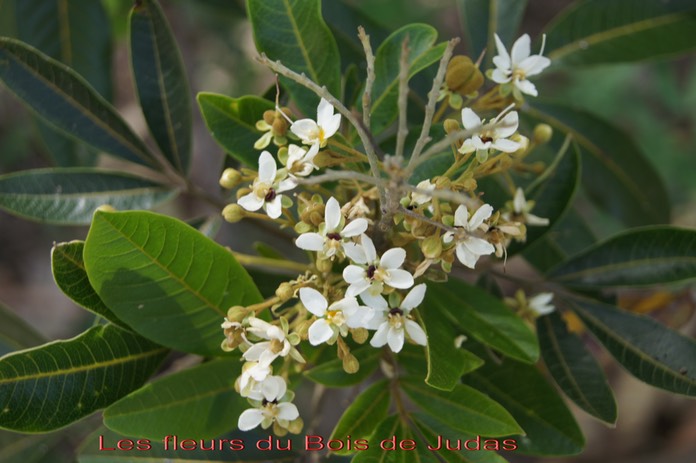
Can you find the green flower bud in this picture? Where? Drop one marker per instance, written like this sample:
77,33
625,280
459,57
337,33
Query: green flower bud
542,134
233,213
295,426
359,335
451,126
324,265
432,247
285,291
237,313
350,364
230,178
463,77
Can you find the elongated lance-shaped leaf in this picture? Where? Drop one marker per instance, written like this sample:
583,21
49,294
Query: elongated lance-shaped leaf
161,82
66,101
464,409
386,429
204,395
294,32
616,175
640,257
50,386
596,31
15,333
422,52
575,370
549,426
362,416
69,196
165,279
648,350
231,122
483,18
71,277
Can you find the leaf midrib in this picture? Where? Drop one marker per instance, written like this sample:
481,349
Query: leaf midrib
627,265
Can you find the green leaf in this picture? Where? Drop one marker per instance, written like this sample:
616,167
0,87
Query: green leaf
364,413
446,363
66,101
204,394
50,386
464,409
548,424
294,32
616,174
387,429
15,333
596,31
575,370
635,258
161,82
485,318
331,373
231,122
69,196
28,448
165,279
422,54
482,18
648,350
71,277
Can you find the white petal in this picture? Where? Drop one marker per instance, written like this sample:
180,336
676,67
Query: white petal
305,129
359,318
395,339
251,202
527,87
354,228
249,419
531,219
320,332
253,354
274,208
310,242
324,111
519,203
505,145
368,248
355,253
481,214
332,214
399,279
415,332
466,257
313,301
374,302
331,125
500,77
413,298
267,167
461,216
287,411
285,185
534,65
467,147
508,125
353,274
470,119
393,258
273,388
380,337
520,49
346,305
478,246
479,144
295,153
357,288
503,60
274,332
448,237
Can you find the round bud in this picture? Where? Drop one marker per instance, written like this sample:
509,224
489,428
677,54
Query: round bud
463,77
280,126
269,116
285,291
230,178
542,134
324,265
350,364
432,247
236,313
295,426
233,213
360,335
451,126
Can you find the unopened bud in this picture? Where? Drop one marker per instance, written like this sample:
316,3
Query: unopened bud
443,183
269,116
432,247
278,430
350,364
302,227
302,329
542,134
295,426
359,335
463,76
233,213
285,291
236,313
324,265
451,126
230,178
316,218
280,126
323,159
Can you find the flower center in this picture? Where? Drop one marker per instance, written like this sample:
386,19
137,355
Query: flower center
334,236
261,189
371,272
396,311
335,317
486,138
518,74
277,346
270,195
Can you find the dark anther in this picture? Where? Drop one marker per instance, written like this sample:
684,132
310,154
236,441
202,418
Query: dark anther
396,311
265,402
486,139
270,196
371,271
410,207
334,236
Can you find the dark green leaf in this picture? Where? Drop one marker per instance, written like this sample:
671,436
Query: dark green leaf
294,32
231,122
69,196
549,426
331,373
71,277
15,333
387,429
28,448
616,175
65,100
650,351
362,416
161,82
575,370
422,54
165,279
50,386
640,257
464,409
485,318
596,31
204,394
482,18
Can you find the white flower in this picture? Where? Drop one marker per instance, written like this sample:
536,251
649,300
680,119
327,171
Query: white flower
252,373
421,197
332,319
265,189
469,247
540,304
373,273
522,207
270,388
267,412
392,324
318,133
332,236
519,65
277,344
301,161
492,138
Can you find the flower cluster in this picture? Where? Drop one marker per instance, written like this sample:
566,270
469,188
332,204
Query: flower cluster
373,242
